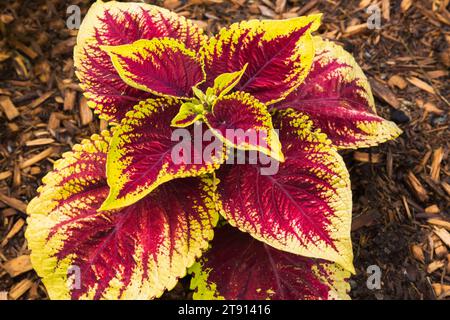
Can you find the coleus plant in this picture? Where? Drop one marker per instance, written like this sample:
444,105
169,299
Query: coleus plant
119,218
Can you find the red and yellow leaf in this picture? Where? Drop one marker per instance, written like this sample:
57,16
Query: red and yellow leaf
143,153
239,267
337,97
189,113
279,54
164,67
132,253
242,122
112,24
194,109
225,82
306,207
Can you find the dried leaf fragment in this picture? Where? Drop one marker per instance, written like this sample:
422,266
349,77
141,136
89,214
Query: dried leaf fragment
397,81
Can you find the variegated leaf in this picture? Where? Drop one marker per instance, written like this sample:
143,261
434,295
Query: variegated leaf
239,267
112,24
189,113
164,67
279,54
242,122
337,97
305,207
132,253
145,153
225,82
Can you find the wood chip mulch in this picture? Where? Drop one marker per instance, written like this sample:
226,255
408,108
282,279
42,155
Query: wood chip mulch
401,189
